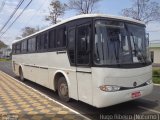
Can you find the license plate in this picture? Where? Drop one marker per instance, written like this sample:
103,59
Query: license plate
136,94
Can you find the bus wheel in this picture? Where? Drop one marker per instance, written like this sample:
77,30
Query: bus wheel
21,75
63,89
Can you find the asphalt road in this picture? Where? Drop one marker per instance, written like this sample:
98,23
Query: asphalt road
149,105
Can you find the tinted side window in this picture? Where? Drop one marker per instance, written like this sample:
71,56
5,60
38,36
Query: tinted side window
60,37
38,38
71,45
83,45
32,45
18,48
51,38
42,41
24,46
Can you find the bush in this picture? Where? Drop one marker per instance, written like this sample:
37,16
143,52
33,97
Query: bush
156,80
156,72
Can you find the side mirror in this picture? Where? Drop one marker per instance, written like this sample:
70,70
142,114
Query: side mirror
147,38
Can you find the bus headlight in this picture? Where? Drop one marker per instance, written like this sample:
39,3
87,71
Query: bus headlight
109,88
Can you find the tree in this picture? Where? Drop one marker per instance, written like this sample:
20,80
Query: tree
57,9
18,37
2,44
144,10
28,31
83,6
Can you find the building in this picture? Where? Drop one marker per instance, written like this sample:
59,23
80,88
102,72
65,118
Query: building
5,52
155,52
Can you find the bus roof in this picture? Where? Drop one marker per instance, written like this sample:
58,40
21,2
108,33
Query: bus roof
84,16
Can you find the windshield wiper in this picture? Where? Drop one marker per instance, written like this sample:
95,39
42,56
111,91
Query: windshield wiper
116,52
143,57
98,58
137,49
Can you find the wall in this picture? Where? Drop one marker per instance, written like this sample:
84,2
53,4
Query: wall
156,55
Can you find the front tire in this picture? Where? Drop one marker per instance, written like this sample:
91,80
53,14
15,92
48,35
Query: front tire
63,89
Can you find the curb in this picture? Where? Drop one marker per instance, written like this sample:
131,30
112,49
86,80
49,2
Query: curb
157,85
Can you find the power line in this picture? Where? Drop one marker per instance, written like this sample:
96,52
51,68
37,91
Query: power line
16,18
36,12
11,16
2,5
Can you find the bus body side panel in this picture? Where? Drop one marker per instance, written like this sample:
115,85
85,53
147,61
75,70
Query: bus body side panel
41,68
60,62
84,78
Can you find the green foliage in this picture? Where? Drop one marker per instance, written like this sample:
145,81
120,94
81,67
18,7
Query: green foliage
83,6
144,10
156,72
156,80
28,31
4,60
57,9
156,75
2,44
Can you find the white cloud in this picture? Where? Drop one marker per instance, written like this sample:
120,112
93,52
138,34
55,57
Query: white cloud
33,16
154,30
11,2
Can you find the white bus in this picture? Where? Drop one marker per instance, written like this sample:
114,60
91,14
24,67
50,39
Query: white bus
99,59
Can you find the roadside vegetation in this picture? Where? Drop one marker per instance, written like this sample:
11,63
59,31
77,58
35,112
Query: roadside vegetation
4,60
156,75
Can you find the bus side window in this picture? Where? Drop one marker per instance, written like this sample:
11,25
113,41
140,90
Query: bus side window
18,48
51,39
83,45
42,42
60,37
71,45
32,45
24,46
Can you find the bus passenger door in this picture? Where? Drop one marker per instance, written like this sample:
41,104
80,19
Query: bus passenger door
84,76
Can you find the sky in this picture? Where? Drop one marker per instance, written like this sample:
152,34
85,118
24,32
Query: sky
35,15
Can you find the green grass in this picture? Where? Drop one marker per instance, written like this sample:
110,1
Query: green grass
4,60
156,75
156,80
156,72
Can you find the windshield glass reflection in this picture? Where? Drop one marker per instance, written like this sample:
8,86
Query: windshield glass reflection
119,43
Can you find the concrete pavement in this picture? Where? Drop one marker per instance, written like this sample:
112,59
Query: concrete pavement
21,102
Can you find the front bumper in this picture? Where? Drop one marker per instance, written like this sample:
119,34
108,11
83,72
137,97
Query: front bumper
105,99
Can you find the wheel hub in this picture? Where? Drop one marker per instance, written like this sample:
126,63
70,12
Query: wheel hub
63,89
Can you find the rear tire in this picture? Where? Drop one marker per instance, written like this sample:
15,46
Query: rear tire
21,75
63,89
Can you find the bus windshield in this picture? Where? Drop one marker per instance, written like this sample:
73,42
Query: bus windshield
119,43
